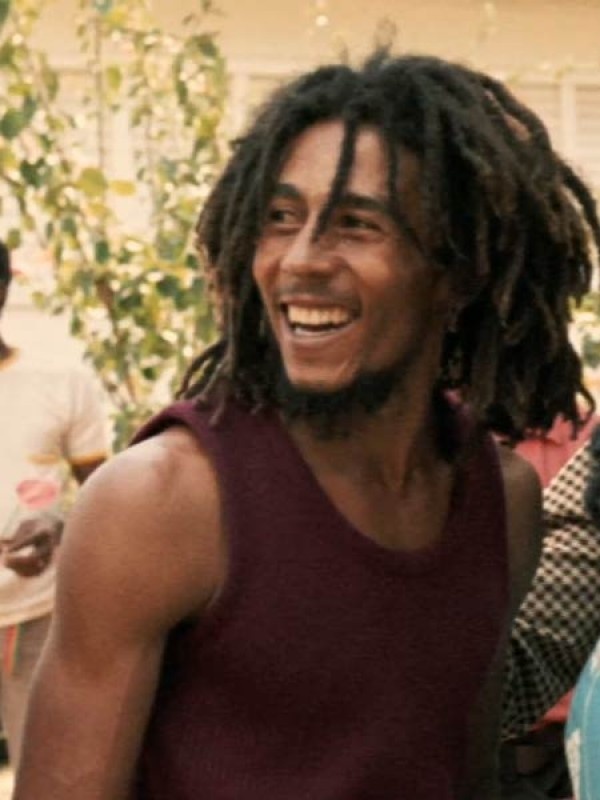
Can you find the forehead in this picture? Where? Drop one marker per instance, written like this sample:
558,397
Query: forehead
313,158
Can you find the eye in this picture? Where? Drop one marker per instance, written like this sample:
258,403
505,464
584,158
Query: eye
281,217
355,222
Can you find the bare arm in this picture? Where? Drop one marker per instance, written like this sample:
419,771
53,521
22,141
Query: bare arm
140,553
559,621
524,526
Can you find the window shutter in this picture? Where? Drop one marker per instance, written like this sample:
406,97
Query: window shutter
545,100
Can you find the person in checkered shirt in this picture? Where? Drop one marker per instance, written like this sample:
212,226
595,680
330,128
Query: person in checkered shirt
559,621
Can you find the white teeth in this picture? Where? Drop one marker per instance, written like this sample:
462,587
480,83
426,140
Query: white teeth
317,317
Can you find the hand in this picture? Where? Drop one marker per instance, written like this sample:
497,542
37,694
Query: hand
30,550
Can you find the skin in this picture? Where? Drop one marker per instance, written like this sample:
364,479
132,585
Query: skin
362,264
157,503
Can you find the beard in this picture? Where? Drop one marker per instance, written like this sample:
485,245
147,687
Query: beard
331,413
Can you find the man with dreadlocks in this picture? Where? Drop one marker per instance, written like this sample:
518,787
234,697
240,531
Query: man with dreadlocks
299,580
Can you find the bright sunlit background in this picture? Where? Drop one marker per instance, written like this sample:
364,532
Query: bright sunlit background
548,50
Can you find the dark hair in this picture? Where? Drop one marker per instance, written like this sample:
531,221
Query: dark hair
506,217
5,271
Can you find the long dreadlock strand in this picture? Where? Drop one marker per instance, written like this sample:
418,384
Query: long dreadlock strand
341,176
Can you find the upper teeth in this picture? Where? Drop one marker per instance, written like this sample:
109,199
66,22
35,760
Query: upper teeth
300,315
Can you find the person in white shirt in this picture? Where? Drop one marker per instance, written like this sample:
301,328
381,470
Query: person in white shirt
53,425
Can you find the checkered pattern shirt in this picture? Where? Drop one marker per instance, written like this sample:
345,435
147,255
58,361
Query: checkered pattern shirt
559,621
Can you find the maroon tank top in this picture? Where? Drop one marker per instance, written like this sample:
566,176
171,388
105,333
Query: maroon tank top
331,668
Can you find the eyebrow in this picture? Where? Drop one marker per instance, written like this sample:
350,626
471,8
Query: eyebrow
354,200
348,200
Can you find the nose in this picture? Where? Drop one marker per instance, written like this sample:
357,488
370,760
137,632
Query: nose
309,255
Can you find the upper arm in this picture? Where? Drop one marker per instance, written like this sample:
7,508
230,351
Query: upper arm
522,493
141,552
524,523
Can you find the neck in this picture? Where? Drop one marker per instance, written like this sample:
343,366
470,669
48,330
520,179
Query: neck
388,447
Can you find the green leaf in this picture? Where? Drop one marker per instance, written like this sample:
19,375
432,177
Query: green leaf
92,182
30,105
39,299
7,51
123,188
168,286
205,44
103,6
7,160
129,302
86,282
102,251
28,222
182,91
15,120
33,173
12,123
4,11
114,77
69,226
76,325
13,238
182,300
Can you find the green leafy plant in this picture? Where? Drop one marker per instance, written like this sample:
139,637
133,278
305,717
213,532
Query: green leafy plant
587,329
119,235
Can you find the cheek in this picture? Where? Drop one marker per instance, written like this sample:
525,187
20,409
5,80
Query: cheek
264,264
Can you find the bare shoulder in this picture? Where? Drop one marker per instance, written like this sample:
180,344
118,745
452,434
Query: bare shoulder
149,519
520,478
151,476
523,498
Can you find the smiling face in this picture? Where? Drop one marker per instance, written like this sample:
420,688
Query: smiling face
361,298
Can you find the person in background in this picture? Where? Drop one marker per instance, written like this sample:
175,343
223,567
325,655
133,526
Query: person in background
583,728
52,416
534,764
559,621
300,579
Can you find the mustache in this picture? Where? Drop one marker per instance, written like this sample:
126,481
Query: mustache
307,292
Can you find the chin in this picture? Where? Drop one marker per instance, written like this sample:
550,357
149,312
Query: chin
328,401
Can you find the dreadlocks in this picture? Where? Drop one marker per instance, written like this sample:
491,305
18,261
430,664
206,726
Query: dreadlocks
515,227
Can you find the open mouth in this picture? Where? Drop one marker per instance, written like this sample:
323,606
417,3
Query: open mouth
316,321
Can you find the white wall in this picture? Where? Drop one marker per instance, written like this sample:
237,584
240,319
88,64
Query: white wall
520,34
